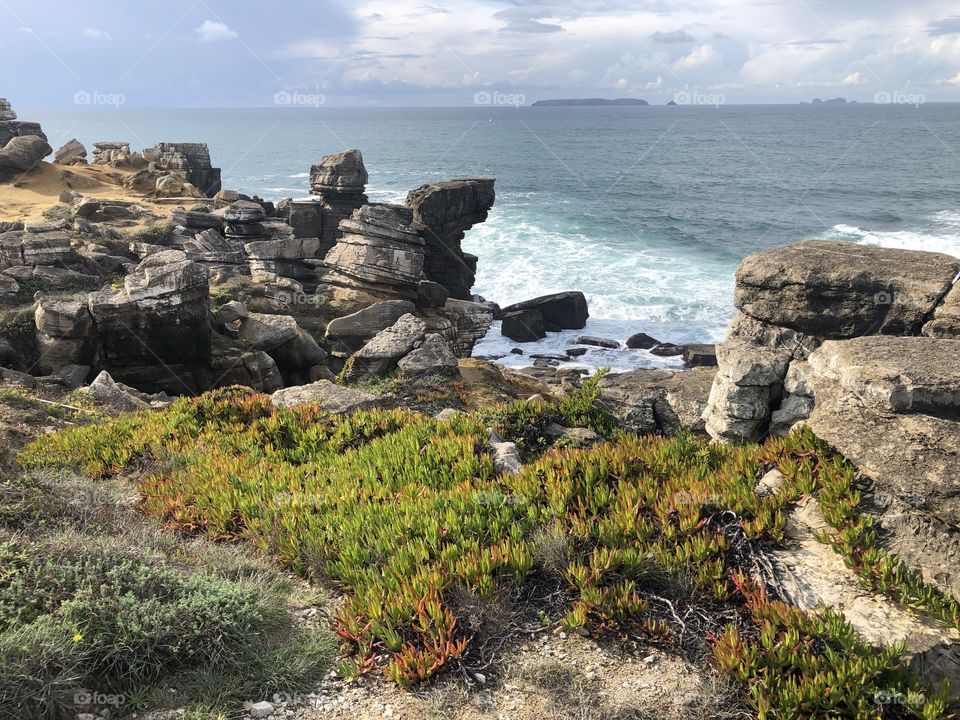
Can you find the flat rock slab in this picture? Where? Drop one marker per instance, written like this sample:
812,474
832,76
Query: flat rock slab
895,374
331,397
812,572
835,289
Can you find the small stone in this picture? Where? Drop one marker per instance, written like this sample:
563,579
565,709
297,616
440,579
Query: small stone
261,709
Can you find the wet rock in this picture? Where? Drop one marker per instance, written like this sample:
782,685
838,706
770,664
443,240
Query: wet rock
598,342
560,311
642,341
523,325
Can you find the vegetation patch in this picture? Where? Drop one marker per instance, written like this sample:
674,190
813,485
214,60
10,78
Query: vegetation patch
646,539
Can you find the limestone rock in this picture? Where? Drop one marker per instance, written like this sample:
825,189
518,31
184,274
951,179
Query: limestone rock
662,401
293,349
461,323
378,257
433,357
561,311
192,160
835,289
110,152
349,333
22,154
443,212
946,318
71,153
381,355
331,397
340,181
106,390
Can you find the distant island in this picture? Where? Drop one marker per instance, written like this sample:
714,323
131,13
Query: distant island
833,101
588,102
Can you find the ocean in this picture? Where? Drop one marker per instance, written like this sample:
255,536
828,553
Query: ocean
647,210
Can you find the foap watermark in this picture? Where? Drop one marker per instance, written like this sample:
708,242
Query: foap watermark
898,97
911,700
893,297
495,97
95,97
295,299
295,98
95,698
686,97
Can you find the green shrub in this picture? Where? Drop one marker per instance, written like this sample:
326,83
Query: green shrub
406,514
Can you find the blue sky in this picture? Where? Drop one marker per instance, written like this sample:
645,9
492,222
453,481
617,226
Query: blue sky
408,52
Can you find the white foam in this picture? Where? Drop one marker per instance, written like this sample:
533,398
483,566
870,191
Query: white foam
942,235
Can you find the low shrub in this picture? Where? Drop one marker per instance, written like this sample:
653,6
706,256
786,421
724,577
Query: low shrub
405,514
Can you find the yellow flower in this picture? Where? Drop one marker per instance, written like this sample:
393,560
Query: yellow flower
77,638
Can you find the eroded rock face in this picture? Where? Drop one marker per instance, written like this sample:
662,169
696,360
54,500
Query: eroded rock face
461,323
381,355
160,315
22,154
340,180
379,256
443,212
192,160
349,333
71,153
658,401
832,289
293,349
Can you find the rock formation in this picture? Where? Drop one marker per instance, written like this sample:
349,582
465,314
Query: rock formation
443,212
71,153
192,160
110,152
340,181
830,335
378,256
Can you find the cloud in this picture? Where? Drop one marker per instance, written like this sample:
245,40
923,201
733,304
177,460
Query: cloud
214,31
674,36
697,57
946,26
856,78
526,20
95,34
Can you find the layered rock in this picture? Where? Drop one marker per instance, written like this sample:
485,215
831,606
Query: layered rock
192,160
379,256
71,153
155,329
443,212
340,180
292,348
22,154
10,127
795,297
222,259
43,255
243,222
347,334
110,152
287,257
461,323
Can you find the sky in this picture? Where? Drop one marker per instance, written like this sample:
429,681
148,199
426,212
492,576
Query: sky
240,53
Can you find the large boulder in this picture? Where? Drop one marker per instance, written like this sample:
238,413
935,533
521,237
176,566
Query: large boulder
293,349
523,325
835,289
658,401
433,357
380,356
560,311
71,153
443,212
349,333
22,154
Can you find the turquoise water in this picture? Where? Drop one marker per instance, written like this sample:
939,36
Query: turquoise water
647,210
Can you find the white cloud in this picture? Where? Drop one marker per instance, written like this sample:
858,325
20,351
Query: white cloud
698,56
214,31
856,78
95,34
